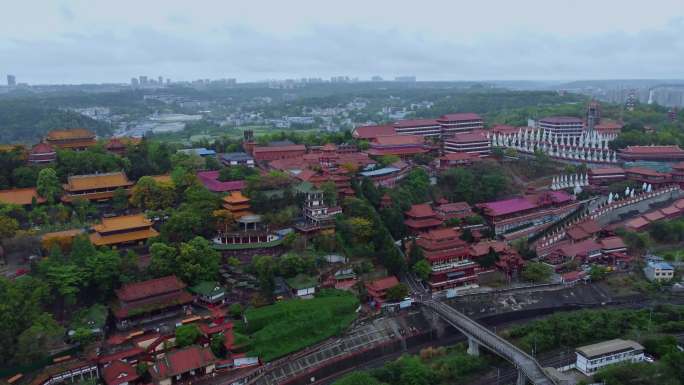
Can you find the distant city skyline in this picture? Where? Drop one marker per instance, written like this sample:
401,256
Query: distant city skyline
73,42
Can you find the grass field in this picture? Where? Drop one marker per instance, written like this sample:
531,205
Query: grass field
288,326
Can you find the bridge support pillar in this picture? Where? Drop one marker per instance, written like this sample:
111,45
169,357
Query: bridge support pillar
522,380
473,347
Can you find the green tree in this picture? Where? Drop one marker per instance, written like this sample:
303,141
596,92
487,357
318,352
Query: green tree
217,345
598,273
67,280
265,268
34,342
415,254
537,272
358,378
197,261
397,292
8,227
235,310
120,199
162,259
422,269
103,269
48,185
329,193
187,335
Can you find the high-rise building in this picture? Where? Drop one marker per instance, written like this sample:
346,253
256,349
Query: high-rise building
376,78
160,80
11,80
143,80
134,82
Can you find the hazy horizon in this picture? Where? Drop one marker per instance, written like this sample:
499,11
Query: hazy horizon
76,42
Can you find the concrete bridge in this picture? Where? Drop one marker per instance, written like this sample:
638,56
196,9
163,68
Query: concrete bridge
528,367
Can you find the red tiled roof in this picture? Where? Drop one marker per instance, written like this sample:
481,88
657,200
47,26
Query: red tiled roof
383,284
408,123
637,223
210,180
456,206
644,171
573,276
654,216
671,211
576,233
468,137
608,126
459,117
590,226
128,353
397,151
182,361
119,372
482,248
560,119
149,288
507,206
439,234
606,171
580,248
423,223
651,149
370,132
42,149
504,129
292,147
456,156
422,210
20,196
611,243
399,140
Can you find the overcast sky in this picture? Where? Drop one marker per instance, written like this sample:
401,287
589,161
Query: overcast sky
62,41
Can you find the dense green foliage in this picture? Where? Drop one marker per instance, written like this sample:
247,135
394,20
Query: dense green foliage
484,181
27,330
587,326
288,326
27,121
434,366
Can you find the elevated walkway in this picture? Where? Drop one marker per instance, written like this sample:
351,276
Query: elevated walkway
528,367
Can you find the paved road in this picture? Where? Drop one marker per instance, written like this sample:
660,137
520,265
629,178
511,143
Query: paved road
526,363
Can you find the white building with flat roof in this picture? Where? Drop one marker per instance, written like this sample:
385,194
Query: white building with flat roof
658,271
591,358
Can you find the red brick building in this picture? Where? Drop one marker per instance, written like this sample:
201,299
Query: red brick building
270,153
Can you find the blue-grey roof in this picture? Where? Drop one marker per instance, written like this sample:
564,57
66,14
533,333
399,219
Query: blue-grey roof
236,156
661,265
380,171
198,151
